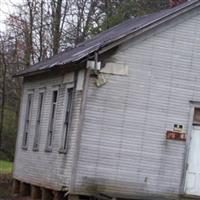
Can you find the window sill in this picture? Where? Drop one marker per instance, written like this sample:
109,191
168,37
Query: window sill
25,148
48,150
35,149
62,151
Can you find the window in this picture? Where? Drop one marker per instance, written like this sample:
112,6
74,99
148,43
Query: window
67,118
38,121
52,120
196,117
27,120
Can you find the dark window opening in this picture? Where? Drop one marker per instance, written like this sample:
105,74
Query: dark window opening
67,118
68,114
38,121
196,117
27,121
52,119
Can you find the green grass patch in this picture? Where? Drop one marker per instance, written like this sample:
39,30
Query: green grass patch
5,167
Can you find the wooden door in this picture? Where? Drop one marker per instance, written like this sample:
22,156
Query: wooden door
192,183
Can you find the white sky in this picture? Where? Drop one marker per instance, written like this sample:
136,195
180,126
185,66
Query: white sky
6,8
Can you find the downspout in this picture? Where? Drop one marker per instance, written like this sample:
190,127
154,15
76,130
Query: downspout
80,124
78,137
96,57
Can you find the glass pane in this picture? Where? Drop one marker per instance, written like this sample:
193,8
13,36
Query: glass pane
28,106
52,118
55,94
196,118
68,113
37,129
40,105
27,119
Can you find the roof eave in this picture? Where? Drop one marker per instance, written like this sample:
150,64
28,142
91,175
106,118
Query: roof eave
71,67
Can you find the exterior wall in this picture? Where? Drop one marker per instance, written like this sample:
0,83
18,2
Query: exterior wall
48,169
123,150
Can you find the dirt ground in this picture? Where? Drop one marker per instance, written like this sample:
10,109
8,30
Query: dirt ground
6,192
6,188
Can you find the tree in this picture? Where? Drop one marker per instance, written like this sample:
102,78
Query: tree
3,87
9,93
120,10
39,29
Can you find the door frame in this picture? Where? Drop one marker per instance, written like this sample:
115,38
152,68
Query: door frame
193,105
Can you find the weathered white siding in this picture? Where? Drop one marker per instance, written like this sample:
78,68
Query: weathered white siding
123,150
48,169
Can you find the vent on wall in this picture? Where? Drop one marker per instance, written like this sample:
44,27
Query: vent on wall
178,128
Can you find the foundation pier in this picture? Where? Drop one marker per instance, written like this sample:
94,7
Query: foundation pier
36,192
24,189
15,187
47,194
58,195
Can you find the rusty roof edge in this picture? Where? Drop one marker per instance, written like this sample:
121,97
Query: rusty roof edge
41,71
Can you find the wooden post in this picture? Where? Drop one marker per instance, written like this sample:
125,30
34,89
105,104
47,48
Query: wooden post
47,194
15,187
24,189
36,192
58,195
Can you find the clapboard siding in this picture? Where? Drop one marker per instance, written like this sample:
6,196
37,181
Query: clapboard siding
48,169
123,150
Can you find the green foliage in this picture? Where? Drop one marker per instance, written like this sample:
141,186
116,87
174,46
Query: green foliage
3,156
118,11
9,135
5,167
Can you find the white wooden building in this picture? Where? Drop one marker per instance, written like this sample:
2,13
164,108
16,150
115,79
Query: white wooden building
117,116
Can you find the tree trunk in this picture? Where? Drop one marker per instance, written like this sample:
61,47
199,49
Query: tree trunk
3,88
56,10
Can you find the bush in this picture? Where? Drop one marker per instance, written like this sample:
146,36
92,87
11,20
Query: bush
9,135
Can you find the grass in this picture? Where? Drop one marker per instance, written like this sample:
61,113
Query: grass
5,167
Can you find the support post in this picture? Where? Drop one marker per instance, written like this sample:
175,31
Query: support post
24,189
36,192
47,194
58,195
15,187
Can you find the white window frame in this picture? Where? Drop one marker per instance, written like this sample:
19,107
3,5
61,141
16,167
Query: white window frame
67,116
28,117
51,126
40,108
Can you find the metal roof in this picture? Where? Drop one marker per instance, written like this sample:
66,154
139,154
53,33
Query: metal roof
106,38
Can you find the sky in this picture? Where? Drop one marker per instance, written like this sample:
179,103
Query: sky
6,8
